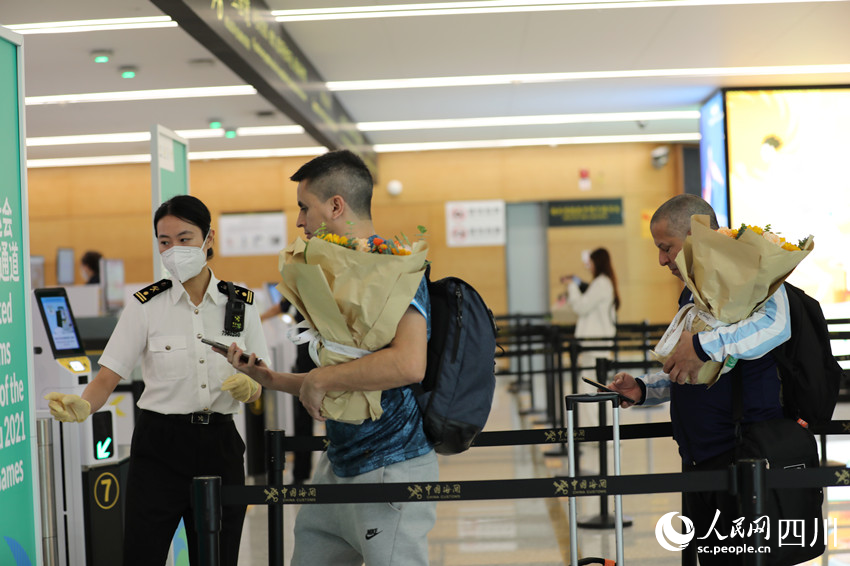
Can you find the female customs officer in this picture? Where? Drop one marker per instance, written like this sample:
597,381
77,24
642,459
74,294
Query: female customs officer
185,427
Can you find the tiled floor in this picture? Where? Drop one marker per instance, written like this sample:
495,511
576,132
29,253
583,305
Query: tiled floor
535,532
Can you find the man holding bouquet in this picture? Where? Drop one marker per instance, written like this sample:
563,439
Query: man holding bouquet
334,197
702,416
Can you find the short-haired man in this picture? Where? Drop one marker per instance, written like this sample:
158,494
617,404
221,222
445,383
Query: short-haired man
702,417
334,195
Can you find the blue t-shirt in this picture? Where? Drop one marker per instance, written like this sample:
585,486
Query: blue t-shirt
395,437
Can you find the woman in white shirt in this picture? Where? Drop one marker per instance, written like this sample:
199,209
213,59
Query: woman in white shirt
185,427
596,309
597,306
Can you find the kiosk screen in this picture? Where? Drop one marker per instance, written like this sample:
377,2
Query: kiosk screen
274,294
59,322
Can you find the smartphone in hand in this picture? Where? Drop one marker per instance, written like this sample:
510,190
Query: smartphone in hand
609,390
244,358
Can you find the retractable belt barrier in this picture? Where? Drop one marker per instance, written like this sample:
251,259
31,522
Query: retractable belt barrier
552,341
551,435
524,437
209,495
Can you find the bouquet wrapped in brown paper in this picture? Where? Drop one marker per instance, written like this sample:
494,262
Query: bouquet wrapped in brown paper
731,274
352,302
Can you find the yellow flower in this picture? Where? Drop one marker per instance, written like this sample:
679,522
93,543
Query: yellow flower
771,237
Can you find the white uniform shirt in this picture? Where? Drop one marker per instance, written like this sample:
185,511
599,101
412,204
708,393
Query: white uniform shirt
181,374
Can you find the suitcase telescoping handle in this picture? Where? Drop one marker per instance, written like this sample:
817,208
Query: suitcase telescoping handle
572,402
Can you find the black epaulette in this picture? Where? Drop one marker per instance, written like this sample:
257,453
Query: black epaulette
243,294
152,291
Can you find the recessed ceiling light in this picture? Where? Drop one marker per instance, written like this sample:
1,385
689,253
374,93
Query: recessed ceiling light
101,55
127,72
215,124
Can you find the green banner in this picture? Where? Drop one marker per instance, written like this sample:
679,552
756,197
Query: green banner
587,212
19,530
169,177
175,181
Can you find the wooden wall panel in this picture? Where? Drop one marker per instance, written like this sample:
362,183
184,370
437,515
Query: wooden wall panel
108,209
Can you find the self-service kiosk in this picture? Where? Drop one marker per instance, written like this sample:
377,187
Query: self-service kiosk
61,365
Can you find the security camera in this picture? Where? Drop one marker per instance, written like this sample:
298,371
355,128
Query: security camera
660,156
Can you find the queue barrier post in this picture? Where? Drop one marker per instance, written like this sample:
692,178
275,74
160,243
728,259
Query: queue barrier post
752,492
275,464
206,498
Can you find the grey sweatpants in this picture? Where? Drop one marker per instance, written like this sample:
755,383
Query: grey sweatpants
379,534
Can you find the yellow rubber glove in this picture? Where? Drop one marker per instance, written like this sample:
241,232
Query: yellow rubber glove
67,407
240,386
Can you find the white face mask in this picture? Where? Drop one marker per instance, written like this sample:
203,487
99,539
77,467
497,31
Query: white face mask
184,262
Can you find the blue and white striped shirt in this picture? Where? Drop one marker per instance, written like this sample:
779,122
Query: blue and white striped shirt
749,339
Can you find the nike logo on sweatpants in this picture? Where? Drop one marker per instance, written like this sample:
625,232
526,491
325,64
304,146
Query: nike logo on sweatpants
372,533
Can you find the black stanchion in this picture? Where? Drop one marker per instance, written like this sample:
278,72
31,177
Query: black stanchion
548,372
206,497
689,554
518,363
752,485
558,411
275,463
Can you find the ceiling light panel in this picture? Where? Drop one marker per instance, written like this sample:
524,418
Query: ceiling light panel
78,26
127,95
498,7
530,78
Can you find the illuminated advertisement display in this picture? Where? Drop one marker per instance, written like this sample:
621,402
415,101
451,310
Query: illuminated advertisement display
712,157
788,152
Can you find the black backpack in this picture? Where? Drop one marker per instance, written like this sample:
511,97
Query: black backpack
457,392
810,374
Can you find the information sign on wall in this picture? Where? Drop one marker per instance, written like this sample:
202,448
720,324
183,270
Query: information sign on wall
19,520
475,223
586,212
257,233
